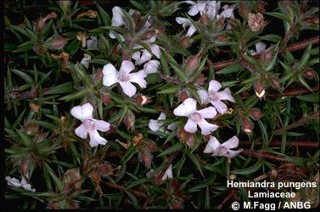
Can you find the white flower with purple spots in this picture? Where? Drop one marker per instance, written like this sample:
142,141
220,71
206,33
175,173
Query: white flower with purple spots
215,97
89,125
217,149
124,77
196,117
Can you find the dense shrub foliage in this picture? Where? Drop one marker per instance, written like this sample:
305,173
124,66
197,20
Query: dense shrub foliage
157,104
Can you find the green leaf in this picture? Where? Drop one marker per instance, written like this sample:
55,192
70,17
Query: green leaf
171,149
279,15
168,88
77,95
230,69
271,37
23,75
62,88
249,170
103,16
196,163
305,57
314,97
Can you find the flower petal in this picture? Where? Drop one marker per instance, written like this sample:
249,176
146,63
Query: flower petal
226,95
190,126
188,106
136,56
96,139
231,143
206,127
155,125
155,49
192,29
13,181
209,112
162,116
260,47
138,78
145,56
212,145
220,106
128,88
86,60
232,153
167,174
203,95
101,125
214,85
81,132
117,16
126,66
151,67
184,21
109,75
82,112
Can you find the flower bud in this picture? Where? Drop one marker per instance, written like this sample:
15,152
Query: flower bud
310,74
30,128
129,120
184,94
222,38
266,56
57,43
142,100
255,22
146,158
186,42
259,89
192,63
232,177
200,79
275,82
247,126
82,36
261,6
255,113
273,174
41,21
89,13
204,19
34,107
105,97
243,9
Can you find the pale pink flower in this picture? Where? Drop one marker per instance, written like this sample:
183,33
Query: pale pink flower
17,183
217,149
157,124
196,117
89,125
187,23
215,97
209,8
227,11
143,55
124,77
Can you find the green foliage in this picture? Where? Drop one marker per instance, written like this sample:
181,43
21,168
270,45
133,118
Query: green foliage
55,55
